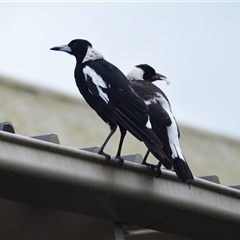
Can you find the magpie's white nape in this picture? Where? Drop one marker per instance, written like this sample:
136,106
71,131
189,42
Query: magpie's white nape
161,117
107,90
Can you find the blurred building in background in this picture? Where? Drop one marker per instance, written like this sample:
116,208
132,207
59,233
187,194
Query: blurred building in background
36,111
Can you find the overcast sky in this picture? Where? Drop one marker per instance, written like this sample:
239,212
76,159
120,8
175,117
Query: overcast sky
196,45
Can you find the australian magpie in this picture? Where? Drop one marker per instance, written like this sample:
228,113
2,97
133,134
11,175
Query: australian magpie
107,90
161,117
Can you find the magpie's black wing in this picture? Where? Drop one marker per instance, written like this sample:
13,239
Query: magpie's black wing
113,90
160,120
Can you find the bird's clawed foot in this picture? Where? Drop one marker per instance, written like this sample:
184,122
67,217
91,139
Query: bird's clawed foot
154,168
150,166
157,171
107,156
120,159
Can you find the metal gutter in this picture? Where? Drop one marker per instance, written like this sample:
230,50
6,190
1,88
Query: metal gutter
60,177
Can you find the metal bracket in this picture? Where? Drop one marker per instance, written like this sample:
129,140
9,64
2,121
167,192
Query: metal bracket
91,149
137,158
235,186
119,233
7,127
53,138
211,178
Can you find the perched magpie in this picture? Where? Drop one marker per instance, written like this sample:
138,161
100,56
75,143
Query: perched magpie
161,117
107,90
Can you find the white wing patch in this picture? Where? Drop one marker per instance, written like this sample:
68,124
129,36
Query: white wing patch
92,55
148,124
98,81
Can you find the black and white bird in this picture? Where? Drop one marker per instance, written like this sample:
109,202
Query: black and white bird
107,90
161,117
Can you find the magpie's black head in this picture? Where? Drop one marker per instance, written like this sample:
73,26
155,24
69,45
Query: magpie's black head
145,72
149,73
78,48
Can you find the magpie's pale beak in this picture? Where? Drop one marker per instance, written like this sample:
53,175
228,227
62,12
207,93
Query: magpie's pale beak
161,77
63,48
158,76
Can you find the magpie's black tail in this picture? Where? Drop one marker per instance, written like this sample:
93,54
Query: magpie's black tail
182,170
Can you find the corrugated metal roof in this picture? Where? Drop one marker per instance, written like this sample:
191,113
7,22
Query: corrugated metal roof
34,111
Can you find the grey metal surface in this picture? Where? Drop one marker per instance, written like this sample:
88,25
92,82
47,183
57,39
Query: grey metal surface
53,138
211,178
24,221
69,179
7,127
119,234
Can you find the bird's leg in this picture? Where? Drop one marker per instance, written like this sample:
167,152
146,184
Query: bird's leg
144,162
108,157
118,155
158,168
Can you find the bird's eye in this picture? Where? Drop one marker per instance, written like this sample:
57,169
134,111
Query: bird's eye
73,45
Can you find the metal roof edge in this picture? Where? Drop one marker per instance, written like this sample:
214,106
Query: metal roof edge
69,179
75,152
